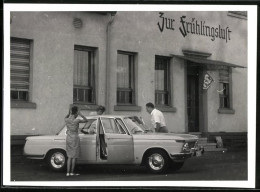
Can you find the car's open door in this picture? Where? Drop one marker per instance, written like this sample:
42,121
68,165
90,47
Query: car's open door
118,143
88,141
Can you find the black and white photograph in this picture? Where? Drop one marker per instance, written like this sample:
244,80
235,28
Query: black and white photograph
129,95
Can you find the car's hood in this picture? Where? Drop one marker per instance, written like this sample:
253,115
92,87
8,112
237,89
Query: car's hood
165,136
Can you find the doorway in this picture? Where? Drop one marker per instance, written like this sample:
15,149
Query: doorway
193,100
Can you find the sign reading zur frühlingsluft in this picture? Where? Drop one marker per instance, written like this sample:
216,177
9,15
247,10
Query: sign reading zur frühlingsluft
194,27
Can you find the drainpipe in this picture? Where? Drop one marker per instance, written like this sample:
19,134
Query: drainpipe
108,30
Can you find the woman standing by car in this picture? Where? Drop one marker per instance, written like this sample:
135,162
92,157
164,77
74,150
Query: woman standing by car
72,139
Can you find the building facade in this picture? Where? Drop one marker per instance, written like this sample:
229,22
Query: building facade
191,65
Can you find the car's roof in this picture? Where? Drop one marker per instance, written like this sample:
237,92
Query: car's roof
108,116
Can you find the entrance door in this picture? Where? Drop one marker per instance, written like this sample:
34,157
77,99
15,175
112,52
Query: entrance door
193,98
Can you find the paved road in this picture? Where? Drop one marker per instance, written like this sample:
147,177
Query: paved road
211,166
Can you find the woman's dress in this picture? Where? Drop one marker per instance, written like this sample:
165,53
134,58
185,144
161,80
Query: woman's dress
72,139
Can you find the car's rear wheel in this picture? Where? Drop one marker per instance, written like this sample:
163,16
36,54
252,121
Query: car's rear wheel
175,166
157,161
57,160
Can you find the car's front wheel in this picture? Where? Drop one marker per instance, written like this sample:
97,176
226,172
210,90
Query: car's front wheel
56,160
157,161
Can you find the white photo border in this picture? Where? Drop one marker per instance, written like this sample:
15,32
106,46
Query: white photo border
252,55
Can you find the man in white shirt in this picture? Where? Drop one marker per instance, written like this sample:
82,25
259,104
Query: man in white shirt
157,119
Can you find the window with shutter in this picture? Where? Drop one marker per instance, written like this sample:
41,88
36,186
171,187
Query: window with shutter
224,87
125,79
83,77
20,69
162,81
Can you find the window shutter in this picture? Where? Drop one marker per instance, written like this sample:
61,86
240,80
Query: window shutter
224,75
20,64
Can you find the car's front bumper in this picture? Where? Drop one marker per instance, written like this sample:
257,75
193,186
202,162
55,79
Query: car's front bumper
182,156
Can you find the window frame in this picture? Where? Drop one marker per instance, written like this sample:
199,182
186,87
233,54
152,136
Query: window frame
91,78
116,126
132,74
24,103
229,108
120,121
167,81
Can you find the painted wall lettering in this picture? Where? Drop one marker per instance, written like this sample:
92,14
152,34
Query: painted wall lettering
194,27
167,21
200,28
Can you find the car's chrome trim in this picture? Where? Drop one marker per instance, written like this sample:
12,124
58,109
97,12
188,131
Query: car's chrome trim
35,156
193,152
180,156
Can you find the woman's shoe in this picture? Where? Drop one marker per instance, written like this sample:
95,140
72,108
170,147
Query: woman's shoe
67,174
74,174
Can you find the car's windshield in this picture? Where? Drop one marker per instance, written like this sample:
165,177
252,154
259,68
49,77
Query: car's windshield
60,129
135,125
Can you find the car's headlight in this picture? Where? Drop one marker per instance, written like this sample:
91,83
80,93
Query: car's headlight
186,147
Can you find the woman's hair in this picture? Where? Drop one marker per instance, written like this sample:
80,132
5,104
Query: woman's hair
74,110
101,108
150,105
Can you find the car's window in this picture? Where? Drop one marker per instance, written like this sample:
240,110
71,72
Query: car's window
109,125
120,126
89,127
134,124
61,130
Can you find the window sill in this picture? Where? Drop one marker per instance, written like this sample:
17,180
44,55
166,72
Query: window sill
88,107
166,108
127,108
24,105
226,111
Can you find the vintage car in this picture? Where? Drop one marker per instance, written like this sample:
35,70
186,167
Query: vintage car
115,139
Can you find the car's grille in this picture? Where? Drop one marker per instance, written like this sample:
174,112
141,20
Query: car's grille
189,146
